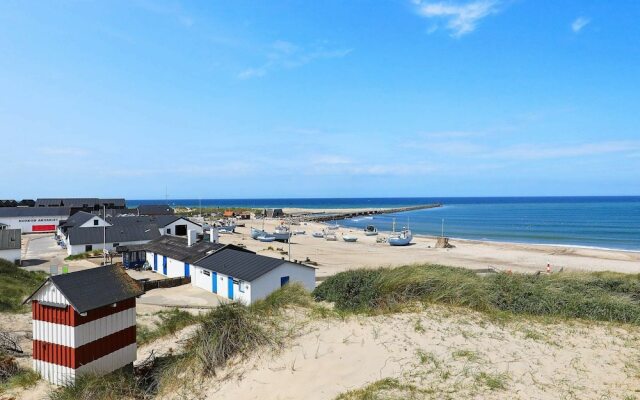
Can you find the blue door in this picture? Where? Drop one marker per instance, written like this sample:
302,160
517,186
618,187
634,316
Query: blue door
164,265
187,270
230,281
284,280
155,262
214,282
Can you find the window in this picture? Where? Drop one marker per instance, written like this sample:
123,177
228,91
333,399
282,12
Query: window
168,231
181,230
88,247
241,286
95,222
116,244
207,273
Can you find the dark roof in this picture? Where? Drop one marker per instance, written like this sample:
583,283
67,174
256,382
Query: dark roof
155,209
89,202
114,234
160,220
116,212
176,247
33,211
10,239
240,264
95,287
77,219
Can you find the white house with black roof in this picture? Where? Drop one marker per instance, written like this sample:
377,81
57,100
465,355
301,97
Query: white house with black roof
80,240
173,256
168,224
33,219
10,245
81,219
246,277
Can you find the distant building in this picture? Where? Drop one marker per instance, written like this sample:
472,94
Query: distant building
86,204
229,214
155,209
80,240
84,322
34,219
273,212
10,245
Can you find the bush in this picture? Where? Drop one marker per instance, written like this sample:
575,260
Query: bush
603,296
293,294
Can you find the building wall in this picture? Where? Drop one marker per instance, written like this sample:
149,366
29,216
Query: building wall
66,343
201,280
11,255
90,223
80,248
269,282
172,227
34,224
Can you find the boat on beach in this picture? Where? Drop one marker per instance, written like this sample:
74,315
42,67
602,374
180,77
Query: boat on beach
331,237
318,234
255,233
402,238
266,239
370,230
281,233
349,238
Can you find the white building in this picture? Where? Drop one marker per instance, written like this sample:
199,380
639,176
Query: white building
226,270
81,219
168,224
246,277
80,240
10,245
33,219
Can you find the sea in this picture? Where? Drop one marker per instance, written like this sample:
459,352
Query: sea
599,222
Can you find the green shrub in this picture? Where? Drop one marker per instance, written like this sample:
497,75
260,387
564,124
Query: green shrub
351,290
293,294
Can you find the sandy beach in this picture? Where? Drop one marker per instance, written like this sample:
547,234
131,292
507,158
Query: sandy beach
334,257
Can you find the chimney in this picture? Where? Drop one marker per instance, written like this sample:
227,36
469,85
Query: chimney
191,237
213,235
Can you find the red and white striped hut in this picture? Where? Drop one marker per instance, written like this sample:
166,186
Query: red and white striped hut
84,322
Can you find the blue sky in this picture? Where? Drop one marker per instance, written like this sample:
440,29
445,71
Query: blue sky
255,99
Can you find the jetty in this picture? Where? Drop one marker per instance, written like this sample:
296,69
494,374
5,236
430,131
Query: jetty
333,216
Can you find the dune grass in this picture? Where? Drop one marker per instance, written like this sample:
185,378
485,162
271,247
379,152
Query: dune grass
601,296
170,322
85,255
15,285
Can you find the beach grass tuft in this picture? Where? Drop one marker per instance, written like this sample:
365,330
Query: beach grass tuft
599,296
15,285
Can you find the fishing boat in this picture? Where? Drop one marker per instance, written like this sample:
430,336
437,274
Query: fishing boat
334,226
282,233
318,234
255,233
401,238
330,237
299,232
370,230
349,238
266,238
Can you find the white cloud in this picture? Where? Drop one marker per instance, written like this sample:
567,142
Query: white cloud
532,151
579,23
286,55
460,18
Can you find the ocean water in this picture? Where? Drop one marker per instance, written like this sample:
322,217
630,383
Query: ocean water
604,222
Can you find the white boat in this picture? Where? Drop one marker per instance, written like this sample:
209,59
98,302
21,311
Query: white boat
318,234
370,230
224,231
255,233
299,232
349,238
281,233
266,238
401,238
334,226
331,237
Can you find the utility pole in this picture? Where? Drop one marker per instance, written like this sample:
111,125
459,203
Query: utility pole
104,236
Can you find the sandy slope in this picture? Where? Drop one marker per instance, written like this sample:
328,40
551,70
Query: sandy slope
446,351
338,256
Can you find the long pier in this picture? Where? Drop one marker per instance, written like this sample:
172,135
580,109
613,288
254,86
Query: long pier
365,212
